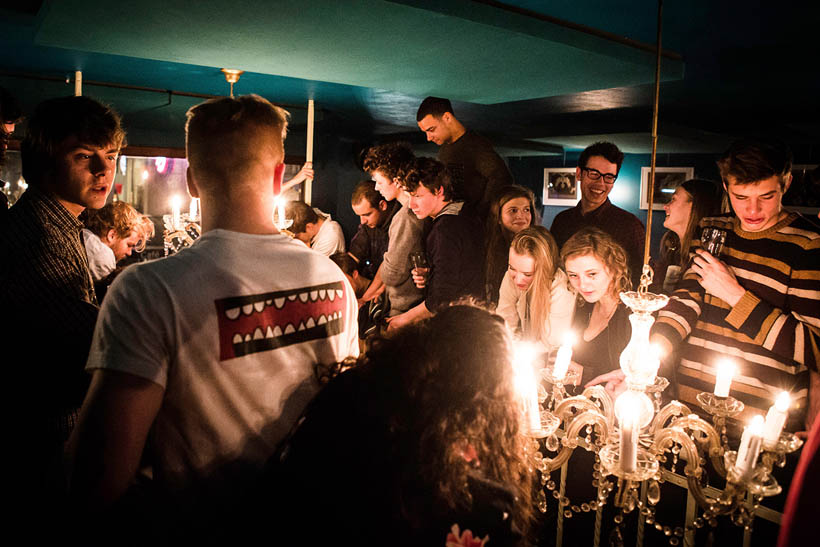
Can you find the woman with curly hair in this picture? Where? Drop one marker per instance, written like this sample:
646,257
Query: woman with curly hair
421,435
597,269
534,299
512,210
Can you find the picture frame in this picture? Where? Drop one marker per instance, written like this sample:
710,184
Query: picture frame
560,186
667,179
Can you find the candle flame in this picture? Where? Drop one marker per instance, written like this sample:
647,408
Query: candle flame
176,202
569,338
756,424
783,401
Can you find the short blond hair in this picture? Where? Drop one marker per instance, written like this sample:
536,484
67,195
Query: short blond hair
123,219
228,139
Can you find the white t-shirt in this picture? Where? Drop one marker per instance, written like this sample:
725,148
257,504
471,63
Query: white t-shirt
231,328
329,239
101,259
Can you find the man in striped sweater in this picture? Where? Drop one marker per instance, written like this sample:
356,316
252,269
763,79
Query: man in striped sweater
758,302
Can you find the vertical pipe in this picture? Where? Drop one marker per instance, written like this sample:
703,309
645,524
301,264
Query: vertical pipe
691,513
651,189
639,540
559,535
309,150
78,83
599,516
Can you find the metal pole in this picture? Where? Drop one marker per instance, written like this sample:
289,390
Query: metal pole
78,83
651,189
559,536
309,150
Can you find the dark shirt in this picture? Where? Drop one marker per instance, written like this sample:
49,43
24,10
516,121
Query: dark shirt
369,244
478,171
455,250
49,308
623,226
602,354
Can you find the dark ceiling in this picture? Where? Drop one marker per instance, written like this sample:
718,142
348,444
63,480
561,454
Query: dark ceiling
540,77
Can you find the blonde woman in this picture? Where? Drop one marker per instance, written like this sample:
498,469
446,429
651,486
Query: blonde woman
534,299
596,266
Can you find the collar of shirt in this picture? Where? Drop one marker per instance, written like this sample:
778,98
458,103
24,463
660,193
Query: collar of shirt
52,212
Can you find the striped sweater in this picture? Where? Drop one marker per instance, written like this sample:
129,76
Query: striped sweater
772,334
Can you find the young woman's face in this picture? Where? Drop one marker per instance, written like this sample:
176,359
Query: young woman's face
516,215
589,277
521,270
678,211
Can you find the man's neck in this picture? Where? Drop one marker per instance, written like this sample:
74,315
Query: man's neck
458,131
255,217
588,208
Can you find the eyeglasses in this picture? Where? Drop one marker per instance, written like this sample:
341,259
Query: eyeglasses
594,174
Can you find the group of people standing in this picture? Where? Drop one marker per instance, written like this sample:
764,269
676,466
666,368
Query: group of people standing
228,395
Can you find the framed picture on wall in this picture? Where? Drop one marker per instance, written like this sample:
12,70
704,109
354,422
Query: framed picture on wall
666,180
560,186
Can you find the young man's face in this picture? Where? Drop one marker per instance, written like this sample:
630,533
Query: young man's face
122,246
424,203
595,192
436,129
756,204
83,174
369,215
386,186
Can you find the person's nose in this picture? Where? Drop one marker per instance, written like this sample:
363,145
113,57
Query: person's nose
429,137
666,207
363,220
753,206
99,165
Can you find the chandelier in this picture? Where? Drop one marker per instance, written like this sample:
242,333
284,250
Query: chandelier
635,439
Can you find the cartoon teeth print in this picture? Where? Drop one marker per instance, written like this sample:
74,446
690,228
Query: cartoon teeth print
263,322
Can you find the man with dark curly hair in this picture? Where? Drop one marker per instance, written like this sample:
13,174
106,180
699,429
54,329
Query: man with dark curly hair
454,243
386,164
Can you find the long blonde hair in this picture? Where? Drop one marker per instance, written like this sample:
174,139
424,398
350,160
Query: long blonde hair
537,242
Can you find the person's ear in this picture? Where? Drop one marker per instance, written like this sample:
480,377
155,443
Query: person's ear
446,117
787,181
382,205
577,174
193,189
111,236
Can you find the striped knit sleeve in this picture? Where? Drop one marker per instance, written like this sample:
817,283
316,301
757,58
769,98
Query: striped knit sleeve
792,333
677,319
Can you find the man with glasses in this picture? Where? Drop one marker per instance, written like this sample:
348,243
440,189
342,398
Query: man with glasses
597,171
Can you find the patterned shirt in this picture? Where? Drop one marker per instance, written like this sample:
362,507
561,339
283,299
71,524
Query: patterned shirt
772,334
48,301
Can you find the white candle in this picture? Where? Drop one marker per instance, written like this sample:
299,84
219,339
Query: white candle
526,385
723,379
280,210
776,419
176,203
193,209
629,438
750,446
559,369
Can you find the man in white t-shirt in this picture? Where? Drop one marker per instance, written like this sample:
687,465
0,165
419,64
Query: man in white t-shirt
211,353
315,228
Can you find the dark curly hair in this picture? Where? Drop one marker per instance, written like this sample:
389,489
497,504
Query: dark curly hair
391,159
430,173
401,424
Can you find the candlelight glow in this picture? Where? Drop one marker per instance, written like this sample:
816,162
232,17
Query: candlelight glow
723,379
756,425
783,401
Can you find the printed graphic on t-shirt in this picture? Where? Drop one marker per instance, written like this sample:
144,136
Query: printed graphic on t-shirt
268,321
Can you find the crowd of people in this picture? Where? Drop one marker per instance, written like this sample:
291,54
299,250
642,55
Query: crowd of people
263,377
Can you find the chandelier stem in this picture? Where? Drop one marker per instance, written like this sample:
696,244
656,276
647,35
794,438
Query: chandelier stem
651,189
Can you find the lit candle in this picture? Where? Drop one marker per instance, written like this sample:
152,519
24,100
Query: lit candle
525,383
723,379
629,438
280,210
559,369
176,203
776,419
193,209
750,446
